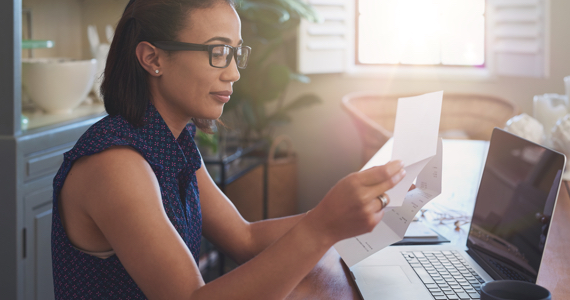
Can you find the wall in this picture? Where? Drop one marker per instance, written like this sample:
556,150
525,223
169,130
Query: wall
65,22
56,20
327,142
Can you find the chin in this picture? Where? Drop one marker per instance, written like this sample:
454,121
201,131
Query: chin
213,115
218,113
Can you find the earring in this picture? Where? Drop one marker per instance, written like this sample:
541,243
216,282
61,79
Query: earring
156,71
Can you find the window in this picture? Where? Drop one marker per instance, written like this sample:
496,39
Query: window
499,37
420,32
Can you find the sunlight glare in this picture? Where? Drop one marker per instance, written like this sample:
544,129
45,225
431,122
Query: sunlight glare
421,32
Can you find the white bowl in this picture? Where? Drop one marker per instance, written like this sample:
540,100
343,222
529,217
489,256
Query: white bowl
58,85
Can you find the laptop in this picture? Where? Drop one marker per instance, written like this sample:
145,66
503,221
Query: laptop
508,232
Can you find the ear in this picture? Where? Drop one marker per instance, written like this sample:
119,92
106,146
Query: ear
149,57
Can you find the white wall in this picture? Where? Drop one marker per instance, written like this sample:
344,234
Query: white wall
327,142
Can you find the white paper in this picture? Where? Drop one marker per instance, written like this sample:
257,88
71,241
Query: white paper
415,139
418,229
416,143
396,220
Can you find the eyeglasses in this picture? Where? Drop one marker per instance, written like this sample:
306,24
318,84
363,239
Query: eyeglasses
220,55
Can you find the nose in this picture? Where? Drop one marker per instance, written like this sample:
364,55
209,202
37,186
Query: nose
231,72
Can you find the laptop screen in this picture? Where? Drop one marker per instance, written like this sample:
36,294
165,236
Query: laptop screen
514,205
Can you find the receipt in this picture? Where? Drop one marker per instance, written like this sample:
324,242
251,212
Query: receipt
415,139
416,143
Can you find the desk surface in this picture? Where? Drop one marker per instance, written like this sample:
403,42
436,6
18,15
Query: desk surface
328,280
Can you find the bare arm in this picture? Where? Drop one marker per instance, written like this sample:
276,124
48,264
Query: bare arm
239,239
294,254
266,232
119,191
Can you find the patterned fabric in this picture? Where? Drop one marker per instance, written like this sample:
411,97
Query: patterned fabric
78,275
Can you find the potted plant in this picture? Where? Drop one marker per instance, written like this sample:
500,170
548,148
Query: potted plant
257,105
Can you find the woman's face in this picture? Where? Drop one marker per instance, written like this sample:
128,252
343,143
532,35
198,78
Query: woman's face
188,86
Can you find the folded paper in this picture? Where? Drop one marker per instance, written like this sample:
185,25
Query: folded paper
416,143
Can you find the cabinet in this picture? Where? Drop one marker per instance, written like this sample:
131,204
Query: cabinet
37,225
30,158
29,162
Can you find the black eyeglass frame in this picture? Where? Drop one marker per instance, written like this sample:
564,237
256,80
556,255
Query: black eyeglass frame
182,46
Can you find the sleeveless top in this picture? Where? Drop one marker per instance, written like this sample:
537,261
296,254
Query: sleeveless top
78,275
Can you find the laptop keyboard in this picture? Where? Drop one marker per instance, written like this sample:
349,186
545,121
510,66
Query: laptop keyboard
446,274
508,273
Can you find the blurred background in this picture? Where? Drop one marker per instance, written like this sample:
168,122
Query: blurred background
289,135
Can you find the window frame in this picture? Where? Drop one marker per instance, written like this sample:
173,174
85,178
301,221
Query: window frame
355,68
321,50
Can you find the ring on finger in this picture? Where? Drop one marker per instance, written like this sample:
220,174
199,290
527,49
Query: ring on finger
383,200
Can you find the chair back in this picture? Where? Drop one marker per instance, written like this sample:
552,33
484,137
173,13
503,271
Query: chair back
463,116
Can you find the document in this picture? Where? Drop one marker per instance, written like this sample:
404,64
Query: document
418,229
416,143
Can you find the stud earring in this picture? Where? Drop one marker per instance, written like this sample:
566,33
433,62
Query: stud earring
156,71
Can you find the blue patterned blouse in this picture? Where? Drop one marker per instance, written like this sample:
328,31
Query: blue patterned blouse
78,275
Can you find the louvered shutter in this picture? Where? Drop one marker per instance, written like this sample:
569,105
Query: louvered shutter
518,36
323,47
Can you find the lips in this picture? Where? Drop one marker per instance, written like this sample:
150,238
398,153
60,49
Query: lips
222,96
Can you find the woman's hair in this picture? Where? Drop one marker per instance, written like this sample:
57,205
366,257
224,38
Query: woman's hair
125,88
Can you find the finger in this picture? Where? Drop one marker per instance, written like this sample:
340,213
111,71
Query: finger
376,175
413,186
378,204
387,200
383,187
378,216
375,205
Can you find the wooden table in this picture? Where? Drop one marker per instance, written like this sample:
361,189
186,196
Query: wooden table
329,278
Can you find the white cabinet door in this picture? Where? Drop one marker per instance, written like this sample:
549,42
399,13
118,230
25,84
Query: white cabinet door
38,282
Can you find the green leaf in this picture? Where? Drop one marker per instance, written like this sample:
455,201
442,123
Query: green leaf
302,9
249,114
267,26
207,140
279,119
263,13
267,51
268,32
274,81
302,101
278,76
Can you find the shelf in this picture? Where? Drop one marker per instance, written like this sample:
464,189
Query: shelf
36,44
236,164
37,119
234,170
240,152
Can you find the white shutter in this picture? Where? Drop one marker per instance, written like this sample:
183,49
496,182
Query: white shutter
519,37
322,47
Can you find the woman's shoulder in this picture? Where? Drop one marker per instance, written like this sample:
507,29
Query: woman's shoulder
107,132
108,128
114,161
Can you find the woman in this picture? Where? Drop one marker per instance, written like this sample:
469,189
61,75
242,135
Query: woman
133,198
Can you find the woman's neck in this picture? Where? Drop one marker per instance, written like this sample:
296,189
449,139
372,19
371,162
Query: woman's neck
174,121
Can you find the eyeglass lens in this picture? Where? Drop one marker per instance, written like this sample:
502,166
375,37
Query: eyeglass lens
221,56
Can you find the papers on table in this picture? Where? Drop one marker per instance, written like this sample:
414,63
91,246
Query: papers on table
416,143
419,230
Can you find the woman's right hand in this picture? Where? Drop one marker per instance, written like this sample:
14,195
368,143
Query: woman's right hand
352,206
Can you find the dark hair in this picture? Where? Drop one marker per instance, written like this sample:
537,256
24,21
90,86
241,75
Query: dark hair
125,88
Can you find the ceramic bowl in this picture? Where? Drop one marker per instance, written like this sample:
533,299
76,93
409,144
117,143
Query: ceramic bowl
58,85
